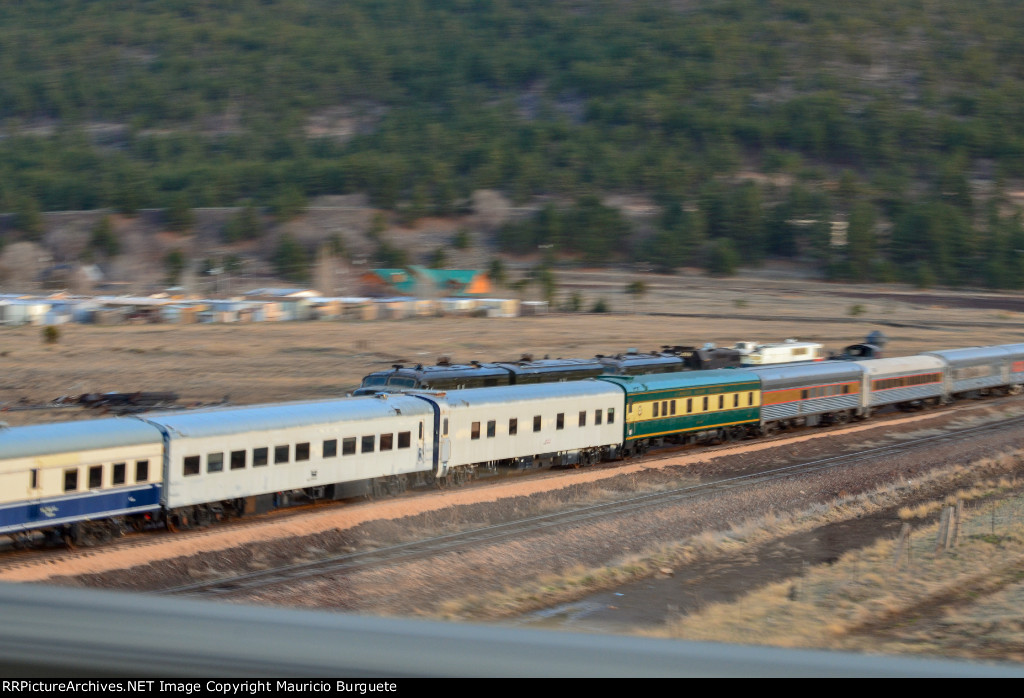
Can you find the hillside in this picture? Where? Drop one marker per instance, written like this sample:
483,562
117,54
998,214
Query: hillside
869,141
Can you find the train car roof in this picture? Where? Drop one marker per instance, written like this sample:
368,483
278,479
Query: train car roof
917,362
283,415
522,393
807,369
682,379
65,437
971,354
553,366
627,360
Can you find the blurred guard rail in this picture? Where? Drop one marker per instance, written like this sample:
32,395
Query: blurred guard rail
60,632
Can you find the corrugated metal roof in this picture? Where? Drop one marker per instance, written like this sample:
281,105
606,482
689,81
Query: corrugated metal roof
66,437
971,354
283,415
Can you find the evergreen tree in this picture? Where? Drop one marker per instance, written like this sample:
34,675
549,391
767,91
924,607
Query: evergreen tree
103,240
290,259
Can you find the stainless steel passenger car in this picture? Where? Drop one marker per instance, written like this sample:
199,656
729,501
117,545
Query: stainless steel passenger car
906,381
241,458
972,370
1015,359
809,393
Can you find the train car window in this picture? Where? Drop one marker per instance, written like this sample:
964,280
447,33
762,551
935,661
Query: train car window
689,405
560,420
260,456
705,404
492,429
302,451
368,442
421,430
141,470
536,423
214,462
672,407
71,480
119,474
404,439
664,408
611,415
34,478
735,399
348,446
513,426
597,417
583,418
95,477
330,449
474,432
238,460
655,414
445,432
191,465
282,454
387,442
721,401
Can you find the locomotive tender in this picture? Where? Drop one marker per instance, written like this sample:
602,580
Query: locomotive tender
87,481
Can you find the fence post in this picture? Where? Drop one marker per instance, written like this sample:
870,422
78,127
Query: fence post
943,533
900,543
958,514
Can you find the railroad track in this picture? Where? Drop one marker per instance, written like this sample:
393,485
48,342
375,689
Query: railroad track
453,542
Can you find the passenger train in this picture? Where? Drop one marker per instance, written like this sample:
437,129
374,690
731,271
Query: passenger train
87,481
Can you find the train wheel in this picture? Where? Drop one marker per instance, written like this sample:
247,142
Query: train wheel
769,429
841,417
203,517
1015,389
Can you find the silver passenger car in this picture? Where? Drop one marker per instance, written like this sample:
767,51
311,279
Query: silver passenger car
810,393
903,381
974,369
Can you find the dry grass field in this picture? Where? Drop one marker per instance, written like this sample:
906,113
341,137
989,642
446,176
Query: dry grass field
270,362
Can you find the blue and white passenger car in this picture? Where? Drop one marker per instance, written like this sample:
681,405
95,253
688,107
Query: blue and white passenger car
79,480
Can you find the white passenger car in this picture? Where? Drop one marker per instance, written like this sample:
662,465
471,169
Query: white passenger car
542,424
326,448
